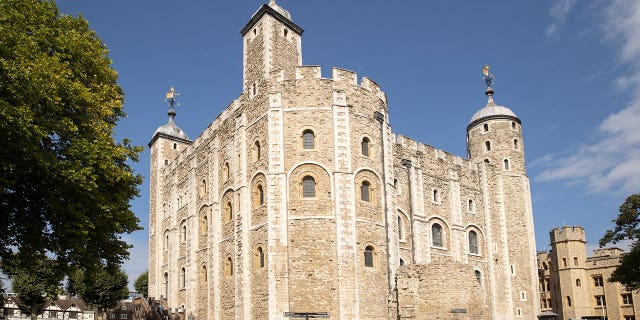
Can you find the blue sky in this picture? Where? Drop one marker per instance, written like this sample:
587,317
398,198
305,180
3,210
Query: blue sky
569,69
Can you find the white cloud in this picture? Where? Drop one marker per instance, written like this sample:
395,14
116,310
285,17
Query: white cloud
559,13
611,163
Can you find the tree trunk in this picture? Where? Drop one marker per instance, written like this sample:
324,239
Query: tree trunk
34,313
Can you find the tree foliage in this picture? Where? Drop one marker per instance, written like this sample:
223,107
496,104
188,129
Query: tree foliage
102,288
35,285
627,227
65,184
142,284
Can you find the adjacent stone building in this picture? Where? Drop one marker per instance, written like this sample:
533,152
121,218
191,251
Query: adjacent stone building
575,286
300,198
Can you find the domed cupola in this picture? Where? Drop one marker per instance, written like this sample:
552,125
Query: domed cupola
170,130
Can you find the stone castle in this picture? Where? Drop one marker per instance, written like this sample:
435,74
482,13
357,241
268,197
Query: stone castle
574,285
299,198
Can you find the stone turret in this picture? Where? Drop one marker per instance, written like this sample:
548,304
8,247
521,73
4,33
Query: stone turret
568,255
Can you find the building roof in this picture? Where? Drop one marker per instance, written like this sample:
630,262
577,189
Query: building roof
492,111
275,11
171,129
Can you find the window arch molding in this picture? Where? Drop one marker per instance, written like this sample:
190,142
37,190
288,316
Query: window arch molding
446,233
319,172
405,232
367,175
506,164
369,255
365,145
228,197
480,238
260,256
308,138
203,219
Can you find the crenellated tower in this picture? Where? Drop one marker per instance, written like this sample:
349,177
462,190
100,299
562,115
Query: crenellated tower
271,42
568,256
494,142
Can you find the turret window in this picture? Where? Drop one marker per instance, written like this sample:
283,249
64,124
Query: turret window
506,165
578,283
514,126
368,256
435,196
183,276
308,139
365,147
515,144
486,127
487,145
228,267
471,206
256,151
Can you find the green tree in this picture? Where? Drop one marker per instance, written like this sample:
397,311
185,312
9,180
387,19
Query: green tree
35,285
65,184
102,288
142,284
627,227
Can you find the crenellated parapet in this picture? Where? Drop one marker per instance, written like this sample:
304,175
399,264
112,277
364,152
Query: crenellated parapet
567,233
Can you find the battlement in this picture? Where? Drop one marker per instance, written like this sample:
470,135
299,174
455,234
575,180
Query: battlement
339,75
567,233
607,252
430,151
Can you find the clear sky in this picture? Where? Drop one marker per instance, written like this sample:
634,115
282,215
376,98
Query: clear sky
569,69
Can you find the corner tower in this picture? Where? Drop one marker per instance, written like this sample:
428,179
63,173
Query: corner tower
167,141
568,255
494,143
271,42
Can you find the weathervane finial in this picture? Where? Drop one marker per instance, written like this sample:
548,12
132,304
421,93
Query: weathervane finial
488,76
170,97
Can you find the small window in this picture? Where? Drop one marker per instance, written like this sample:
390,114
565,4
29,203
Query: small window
486,127
513,126
400,229
368,256
229,211
183,276
256,155
53,314
436,235
254,89
365,147
473,242
506,164
184,232
627,299
166,240
575,261
73,315
123,316
568,301
203,273
308,187
487,161
401,262
600,301
166,162
515,144
260,195
111,316
564,262
285,32
228,268
597,281
308,139
523,296
175,146
518,312
478,276
471,206
365,191
260,258
436,196
255,32
487,145
205,224
578,283
468,153
226,173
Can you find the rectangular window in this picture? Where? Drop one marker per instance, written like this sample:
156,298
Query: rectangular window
575,261
600,301
564,262
112,316
123,316
597,281
626,298
73,315
53,314
629,318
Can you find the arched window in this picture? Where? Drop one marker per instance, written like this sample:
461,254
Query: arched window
478,276
166,240
515,144
513,126
401,262
175,146
226,173
184,232
487,145
229,267
436,196
487,161
400,229
205,224
182,278
365,191
473,242
506,164
203,273
436,235
203,187
229,211
308,139
256,155
260,258
365,147
368,256
486,127
308,187
166,284
260,195
471,206
578,283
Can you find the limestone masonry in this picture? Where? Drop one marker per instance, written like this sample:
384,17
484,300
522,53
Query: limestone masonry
299,198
